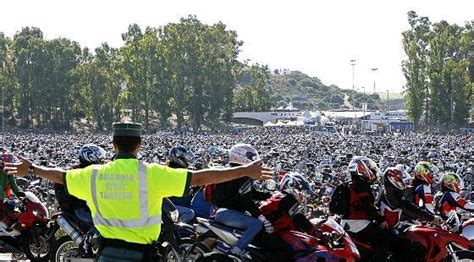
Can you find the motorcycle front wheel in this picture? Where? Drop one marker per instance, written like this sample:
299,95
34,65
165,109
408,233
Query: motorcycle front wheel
64,249
36,250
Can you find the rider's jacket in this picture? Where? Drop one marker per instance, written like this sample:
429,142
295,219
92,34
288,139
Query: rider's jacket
8,186
239,195
424,196
451,201
282,210
395,206
360,199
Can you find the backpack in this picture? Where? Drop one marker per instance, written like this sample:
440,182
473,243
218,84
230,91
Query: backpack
209,192
339,200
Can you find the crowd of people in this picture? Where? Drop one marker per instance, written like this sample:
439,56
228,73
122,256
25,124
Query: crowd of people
364,179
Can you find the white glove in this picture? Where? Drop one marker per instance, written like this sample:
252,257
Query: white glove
267,224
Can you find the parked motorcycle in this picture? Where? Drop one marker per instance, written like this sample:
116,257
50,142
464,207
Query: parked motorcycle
80,240
441,244
83,241
339,247
27,229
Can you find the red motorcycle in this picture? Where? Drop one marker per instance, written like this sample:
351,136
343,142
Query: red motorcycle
468,229
441,244
25,229
338,247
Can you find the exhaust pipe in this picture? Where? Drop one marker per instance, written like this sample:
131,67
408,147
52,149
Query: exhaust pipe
70,230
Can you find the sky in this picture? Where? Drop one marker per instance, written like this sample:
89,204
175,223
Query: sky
316,37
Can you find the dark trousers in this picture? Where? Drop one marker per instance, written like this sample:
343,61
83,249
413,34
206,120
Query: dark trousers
273,247
384,241
379,239
111,254
119,250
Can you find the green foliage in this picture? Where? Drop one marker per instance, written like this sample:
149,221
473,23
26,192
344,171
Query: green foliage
438,83
256,95
309,93
186,69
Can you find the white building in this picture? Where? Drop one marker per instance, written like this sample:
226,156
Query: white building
393,121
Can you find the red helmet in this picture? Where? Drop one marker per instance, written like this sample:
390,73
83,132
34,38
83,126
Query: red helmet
364,167
395,177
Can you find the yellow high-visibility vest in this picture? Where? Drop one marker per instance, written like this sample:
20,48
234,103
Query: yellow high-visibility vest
125,196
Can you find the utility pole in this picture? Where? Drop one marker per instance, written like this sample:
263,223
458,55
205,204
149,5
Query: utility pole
353,63
364,105
373,70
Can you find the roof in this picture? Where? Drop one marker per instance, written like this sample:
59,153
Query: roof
346,114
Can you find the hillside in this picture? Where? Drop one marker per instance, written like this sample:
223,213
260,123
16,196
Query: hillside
309,93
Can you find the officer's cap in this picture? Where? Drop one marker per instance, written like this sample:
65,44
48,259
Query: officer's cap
127,129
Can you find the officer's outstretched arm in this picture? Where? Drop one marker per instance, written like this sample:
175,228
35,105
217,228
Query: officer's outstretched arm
216,176
54,175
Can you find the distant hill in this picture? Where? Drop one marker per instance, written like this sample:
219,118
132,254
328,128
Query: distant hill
309,93
391,95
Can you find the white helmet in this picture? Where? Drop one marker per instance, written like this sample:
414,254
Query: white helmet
242,154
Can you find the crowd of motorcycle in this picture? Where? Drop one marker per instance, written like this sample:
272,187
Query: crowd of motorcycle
42,228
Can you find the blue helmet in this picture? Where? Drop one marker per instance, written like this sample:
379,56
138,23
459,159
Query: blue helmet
91,154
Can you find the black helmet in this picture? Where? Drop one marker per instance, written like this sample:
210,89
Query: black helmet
180,157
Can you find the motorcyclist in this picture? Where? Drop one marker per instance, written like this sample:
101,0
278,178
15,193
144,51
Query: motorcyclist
9,189
423,179
180,157
89,154
395,203
7,183
283,210
232,199
451,199
355,202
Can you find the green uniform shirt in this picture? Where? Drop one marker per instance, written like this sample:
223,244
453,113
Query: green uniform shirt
125,196
5,182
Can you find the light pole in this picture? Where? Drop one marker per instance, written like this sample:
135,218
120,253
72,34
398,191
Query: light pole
353,63
373,70
364,105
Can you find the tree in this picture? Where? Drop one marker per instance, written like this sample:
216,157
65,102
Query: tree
8,81
415,44
32,70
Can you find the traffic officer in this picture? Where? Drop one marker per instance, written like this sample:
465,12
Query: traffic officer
125,195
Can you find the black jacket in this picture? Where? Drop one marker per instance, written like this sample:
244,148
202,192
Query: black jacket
68,203
340,201
239,194
404,200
